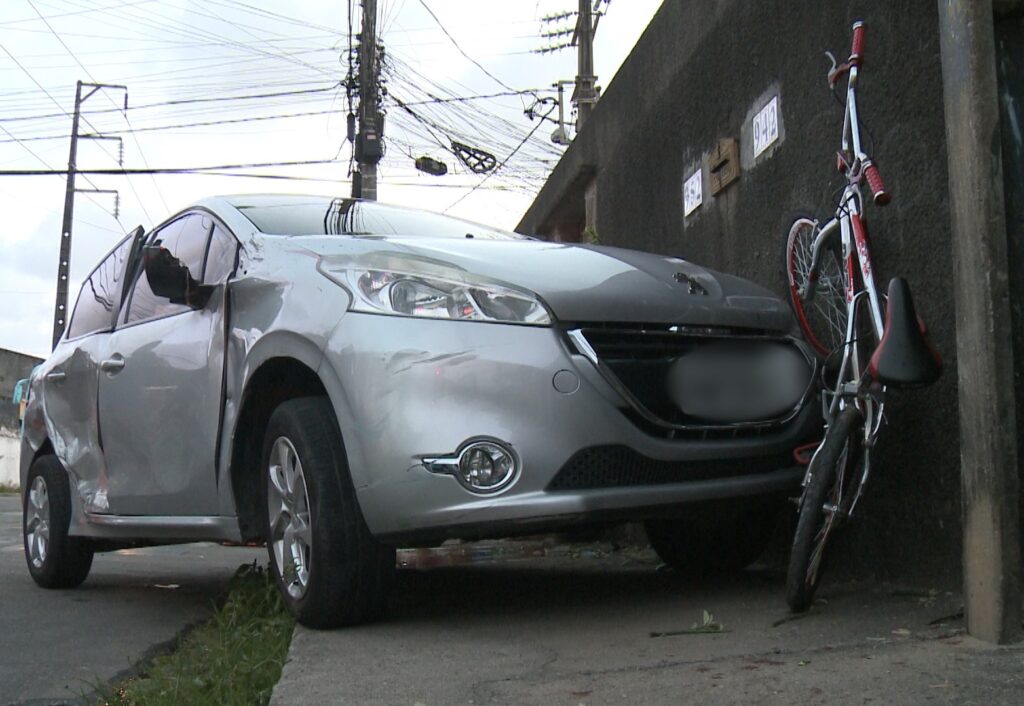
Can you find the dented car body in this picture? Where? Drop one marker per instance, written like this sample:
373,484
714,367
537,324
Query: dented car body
479,383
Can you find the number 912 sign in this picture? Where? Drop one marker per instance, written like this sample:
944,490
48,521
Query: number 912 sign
766,126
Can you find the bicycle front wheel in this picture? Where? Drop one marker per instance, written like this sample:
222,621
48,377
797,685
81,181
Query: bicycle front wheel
821,497
822,317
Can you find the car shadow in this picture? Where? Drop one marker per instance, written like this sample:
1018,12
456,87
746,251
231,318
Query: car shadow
529,589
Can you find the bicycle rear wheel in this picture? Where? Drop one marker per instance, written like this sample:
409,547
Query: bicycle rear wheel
817,518
823,318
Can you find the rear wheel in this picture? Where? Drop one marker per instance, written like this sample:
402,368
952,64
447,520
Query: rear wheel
329,568
55,560
714,540
823,318
829,486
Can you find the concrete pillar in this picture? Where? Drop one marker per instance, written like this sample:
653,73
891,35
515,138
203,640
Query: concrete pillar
590,232
988,429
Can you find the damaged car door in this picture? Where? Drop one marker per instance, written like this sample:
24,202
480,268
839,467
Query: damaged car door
69,379
161,375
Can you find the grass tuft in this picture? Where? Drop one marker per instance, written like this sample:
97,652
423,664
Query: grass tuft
7,488
233,659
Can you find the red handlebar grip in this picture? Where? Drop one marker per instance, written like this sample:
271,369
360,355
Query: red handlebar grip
857,52
876,184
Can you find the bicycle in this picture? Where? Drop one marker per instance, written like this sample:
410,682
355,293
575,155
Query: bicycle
839,309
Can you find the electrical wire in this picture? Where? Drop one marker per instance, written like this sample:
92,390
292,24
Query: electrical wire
461,50
183,101
138,198
497,168
274,67
167,170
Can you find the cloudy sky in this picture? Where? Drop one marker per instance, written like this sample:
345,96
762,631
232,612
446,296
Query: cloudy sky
234,82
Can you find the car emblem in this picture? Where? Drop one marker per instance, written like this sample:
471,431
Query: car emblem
695,287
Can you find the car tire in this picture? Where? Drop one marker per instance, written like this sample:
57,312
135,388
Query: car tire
55,559
328,567
703,544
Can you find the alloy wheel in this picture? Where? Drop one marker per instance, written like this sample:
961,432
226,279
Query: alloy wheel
37,522
288,508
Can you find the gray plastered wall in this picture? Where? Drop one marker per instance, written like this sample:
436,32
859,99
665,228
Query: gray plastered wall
698,74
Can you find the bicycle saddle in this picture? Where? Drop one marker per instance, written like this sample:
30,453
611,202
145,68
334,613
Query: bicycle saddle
904,357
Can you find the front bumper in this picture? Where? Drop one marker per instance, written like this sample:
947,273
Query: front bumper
416,388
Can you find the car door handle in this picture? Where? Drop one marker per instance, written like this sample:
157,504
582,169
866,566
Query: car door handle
56,376
112,365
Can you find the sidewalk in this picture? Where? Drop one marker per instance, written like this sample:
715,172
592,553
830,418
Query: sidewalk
512,623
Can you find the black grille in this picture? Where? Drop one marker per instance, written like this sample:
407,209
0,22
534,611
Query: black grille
620,466
641,356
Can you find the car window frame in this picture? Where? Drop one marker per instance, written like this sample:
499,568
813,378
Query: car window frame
116,312
120,322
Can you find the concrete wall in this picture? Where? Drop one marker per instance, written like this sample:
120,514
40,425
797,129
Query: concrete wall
698,74
13,367
1009,35
10,451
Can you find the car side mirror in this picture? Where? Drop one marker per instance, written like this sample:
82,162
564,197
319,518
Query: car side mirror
170,278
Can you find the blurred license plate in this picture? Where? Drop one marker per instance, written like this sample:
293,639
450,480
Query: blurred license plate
739,381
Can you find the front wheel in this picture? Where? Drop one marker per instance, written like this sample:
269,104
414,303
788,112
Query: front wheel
328,567
823,316
830,476
717,540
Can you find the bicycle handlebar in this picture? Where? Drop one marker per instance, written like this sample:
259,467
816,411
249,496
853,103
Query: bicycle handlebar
875,183
857,49
856,56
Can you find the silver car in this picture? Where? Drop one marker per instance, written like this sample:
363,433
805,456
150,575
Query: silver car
338,378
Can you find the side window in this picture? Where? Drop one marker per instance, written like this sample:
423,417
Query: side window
220,260
101,293
186,239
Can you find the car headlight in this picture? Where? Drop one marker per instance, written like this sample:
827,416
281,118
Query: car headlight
402,293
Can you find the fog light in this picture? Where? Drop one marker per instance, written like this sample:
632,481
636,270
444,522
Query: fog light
480,466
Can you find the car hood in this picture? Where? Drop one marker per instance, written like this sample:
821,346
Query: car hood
579,283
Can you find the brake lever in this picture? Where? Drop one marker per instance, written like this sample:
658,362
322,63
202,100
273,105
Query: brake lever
837,69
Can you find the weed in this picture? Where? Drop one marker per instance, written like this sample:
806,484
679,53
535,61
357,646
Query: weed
234,658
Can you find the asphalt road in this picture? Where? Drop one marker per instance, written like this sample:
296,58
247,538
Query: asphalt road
56,646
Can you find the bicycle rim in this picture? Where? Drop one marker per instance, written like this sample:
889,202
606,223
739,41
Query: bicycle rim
822,319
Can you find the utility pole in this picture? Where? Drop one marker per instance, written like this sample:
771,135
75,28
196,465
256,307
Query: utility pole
585,94
982,293
64,263
369,145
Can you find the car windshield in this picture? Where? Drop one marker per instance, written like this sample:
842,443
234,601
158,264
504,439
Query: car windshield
321,215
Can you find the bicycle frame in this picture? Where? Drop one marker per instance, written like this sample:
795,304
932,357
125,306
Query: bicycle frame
853,402
853,385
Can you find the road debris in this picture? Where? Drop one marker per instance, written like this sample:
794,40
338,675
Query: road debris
707,625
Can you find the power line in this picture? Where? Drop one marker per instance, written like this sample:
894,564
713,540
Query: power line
93,79
287,177
498,168
78,12
461,50
166,170
21,142
258,118
182,101
205,123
